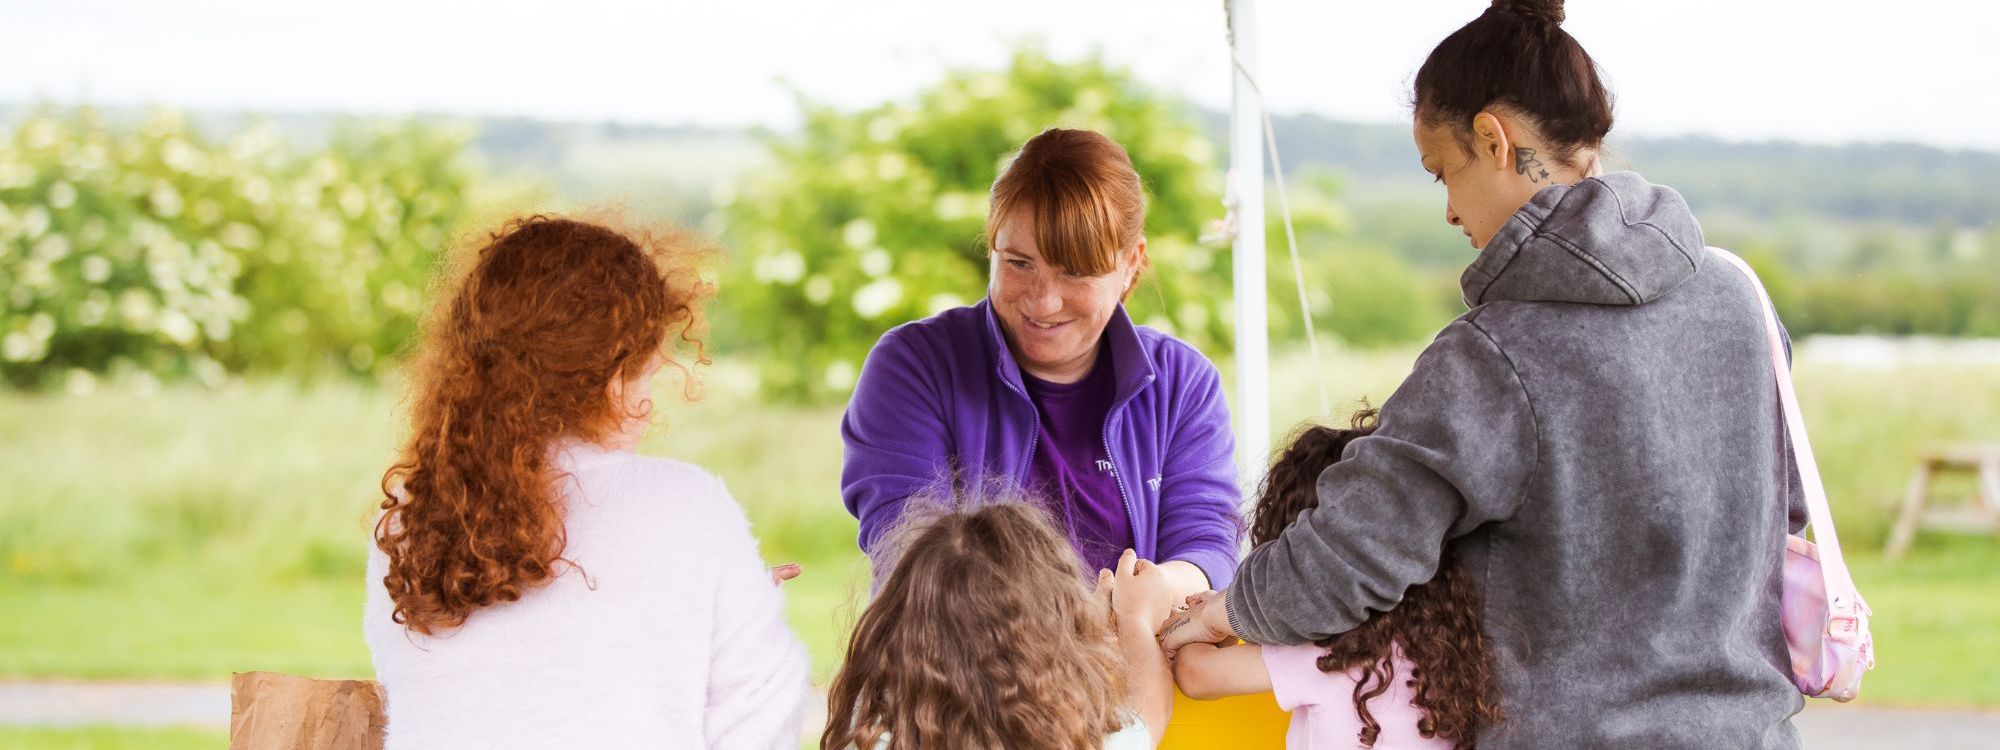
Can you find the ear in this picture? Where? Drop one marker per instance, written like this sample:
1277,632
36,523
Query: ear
1490,142
1596,166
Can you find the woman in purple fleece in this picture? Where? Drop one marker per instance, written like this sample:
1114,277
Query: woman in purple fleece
1047,385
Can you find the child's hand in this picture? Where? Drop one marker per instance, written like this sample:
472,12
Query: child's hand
785,572
1139,592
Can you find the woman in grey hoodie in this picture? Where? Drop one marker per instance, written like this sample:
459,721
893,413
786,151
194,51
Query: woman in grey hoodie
1598,436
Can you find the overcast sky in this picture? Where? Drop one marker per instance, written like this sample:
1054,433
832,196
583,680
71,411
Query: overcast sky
1815,70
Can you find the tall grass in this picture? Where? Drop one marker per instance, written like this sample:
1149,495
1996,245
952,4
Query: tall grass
190,533
101,738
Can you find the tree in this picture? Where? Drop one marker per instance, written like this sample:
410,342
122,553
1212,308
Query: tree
153,252
115,247
1361,291
336,280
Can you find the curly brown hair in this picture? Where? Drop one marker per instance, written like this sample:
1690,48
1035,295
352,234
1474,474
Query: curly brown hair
518,355
984,636
1436,625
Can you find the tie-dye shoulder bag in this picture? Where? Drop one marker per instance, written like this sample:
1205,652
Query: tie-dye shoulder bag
1826,622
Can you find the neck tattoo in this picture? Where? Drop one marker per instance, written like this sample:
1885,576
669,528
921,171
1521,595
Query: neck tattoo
1525,163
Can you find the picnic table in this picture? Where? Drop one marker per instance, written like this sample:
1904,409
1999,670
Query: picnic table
1981,460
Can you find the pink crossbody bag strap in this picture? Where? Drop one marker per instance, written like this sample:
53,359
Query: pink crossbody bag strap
1829,640
1820,515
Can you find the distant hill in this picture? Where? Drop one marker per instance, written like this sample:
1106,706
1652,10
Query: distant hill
1894,182
672,170
666,171
1871,238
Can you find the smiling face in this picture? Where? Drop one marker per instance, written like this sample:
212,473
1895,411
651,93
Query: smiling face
1053,320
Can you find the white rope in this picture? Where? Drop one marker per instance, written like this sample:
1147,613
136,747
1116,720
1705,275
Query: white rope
1285,213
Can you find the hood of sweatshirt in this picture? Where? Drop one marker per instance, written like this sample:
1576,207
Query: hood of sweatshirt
1615,239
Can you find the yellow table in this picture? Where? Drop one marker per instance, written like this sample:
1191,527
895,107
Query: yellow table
1249,722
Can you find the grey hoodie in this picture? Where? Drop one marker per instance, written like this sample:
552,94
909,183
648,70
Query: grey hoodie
1599,437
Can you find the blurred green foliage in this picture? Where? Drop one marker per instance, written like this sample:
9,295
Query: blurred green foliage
1869,238
149,251
149,248
1945,283
873,218
111,248
1362,290
339,279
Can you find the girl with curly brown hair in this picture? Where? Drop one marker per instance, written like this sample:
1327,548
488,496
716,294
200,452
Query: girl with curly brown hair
533,582
1416,676
985,636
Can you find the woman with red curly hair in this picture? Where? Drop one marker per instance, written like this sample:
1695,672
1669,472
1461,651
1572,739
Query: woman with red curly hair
534,583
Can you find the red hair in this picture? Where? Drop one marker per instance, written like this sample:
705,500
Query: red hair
517,357
1079,190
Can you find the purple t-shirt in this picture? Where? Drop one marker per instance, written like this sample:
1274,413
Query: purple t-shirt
1071,471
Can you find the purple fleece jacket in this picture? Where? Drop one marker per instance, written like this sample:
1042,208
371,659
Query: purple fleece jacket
941,399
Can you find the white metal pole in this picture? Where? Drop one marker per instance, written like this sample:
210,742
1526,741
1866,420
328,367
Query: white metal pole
1246,171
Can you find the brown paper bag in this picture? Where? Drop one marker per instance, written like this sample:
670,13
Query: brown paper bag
271,711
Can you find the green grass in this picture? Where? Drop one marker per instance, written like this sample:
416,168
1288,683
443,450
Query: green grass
111,738
1936,623
175,624
189,534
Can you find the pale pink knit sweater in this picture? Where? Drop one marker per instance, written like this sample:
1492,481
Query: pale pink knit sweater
670,636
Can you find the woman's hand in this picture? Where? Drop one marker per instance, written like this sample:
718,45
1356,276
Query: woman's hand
1183,578
1206,620
785,572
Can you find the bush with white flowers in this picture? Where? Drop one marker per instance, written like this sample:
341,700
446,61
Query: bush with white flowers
148,252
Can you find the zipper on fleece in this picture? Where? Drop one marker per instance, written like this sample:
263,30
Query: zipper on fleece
1117,474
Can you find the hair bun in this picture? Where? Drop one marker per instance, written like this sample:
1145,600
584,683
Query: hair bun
1550,11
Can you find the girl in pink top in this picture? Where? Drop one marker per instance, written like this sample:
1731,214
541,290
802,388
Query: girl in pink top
1417,676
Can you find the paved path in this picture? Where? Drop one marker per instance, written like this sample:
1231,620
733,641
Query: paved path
68,704
1825,726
